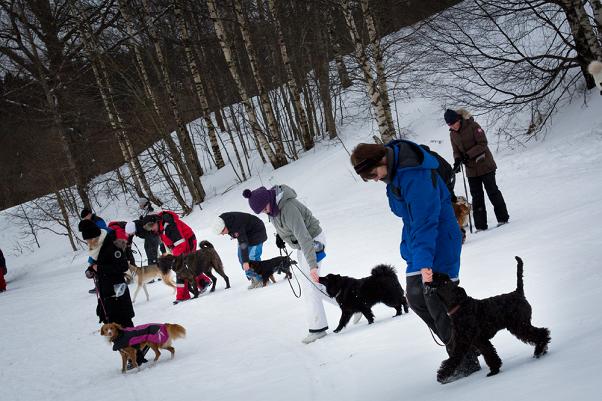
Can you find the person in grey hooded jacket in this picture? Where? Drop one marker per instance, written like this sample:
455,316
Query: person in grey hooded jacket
297,227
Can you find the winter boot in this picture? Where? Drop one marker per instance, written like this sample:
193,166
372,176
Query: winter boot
311,337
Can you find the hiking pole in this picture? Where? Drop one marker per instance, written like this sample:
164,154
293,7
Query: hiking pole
467,199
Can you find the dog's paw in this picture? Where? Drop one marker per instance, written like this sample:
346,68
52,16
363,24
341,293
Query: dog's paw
338,330
493,372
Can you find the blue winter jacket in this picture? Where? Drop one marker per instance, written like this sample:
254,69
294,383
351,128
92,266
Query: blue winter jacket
431,236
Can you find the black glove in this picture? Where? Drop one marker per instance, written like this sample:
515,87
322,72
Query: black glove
279,242
457,165
90,273
465,158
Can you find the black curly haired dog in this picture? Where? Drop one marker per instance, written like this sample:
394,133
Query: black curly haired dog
265,268
476,321
360,295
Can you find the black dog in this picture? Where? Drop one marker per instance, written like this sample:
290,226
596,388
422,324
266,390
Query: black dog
475,322
265,268
191,265
360,295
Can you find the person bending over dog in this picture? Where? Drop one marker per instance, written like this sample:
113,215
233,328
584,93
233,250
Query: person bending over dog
431,239
250,232
297,226
180,239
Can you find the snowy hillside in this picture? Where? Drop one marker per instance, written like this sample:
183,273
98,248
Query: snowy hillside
246,345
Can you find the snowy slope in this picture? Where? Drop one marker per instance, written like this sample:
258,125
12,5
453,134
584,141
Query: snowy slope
246,344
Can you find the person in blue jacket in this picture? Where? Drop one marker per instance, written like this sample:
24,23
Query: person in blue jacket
431,239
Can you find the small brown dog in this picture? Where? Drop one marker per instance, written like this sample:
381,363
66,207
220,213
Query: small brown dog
144,274
462,212
154,335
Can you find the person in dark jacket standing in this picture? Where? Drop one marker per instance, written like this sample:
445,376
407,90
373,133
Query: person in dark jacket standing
469,145
2,272
250,232
110,265
151,239
431,239
109,253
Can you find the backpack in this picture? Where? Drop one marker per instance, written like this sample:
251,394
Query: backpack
445,170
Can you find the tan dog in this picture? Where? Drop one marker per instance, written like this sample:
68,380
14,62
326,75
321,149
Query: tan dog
462,212
144,274
128,340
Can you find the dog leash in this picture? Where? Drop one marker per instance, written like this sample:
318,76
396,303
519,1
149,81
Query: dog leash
435,339
304,275
294,275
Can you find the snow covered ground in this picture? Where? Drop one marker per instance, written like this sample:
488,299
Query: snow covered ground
246,344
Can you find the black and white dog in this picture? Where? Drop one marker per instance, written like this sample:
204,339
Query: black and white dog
360,295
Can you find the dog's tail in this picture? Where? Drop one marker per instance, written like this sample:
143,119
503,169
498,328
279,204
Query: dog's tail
206,245
384,270
519,276
175,330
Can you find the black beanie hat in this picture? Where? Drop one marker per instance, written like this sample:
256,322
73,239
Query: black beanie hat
451,116
85,212
89,229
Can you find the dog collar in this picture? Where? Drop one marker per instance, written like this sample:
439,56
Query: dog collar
453,310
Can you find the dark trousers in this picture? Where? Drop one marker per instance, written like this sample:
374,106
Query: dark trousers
428,307
151,245
478,200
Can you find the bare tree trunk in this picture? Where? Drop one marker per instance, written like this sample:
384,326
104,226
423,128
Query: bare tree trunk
261,88
322,71
104,87
588,29
275,159
584,50
380,65
198,84
597,8
65,215
53,100
175,153
244,148
338,54
307,140
156,156
190,155
372,87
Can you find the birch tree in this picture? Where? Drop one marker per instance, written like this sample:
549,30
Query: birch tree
276,159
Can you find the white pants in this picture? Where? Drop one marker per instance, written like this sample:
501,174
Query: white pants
314,308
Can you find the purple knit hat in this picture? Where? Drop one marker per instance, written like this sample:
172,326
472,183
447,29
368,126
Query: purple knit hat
258,199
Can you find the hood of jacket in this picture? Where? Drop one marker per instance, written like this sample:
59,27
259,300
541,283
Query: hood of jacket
283,194
408,155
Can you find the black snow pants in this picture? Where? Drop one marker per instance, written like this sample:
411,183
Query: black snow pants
428,307
151,245
478,200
